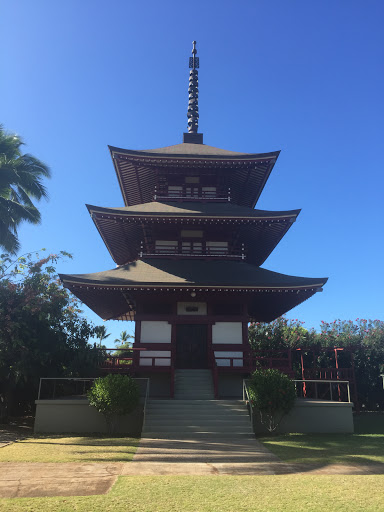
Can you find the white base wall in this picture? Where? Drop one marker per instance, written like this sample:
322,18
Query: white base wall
315,417
60,416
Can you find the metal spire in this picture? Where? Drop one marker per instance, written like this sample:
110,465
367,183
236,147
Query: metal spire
193,104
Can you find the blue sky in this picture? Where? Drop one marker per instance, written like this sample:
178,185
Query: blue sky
305,77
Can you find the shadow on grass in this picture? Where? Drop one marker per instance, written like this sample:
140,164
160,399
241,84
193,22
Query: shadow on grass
364,447
85,442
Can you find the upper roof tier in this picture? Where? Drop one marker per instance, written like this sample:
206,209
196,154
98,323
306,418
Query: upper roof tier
241,176
125,229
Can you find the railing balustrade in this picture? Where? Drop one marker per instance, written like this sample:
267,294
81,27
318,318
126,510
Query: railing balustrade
54,388
303,389
210,252
191,193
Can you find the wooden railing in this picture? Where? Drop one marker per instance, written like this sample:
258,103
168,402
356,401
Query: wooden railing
329,373
193,252
191,193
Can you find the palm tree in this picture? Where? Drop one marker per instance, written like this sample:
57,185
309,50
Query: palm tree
123,340
101,333
124,343
20,181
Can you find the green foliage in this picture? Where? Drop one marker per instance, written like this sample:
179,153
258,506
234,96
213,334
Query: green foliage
273,395
279,334
114,396
21,180
364,337
42,333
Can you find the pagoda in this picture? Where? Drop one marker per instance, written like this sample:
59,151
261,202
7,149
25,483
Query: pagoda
189,245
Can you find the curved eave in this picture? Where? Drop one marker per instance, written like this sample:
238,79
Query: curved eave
122,232
113,294
191,151
136,171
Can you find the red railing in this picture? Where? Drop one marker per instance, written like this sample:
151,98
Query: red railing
279,360
329,373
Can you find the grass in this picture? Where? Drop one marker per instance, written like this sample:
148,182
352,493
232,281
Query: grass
288,493
60,448
365,446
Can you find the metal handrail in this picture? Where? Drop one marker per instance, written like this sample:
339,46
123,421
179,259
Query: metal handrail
325,381
247,398
82,379
145,400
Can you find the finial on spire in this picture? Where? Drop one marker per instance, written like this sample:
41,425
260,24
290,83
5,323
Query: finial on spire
193,104
193,90
194,61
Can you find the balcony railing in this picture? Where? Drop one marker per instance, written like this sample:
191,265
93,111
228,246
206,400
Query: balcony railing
194,252
190,193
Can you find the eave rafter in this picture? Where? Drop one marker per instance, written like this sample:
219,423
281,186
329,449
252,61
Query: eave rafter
119,302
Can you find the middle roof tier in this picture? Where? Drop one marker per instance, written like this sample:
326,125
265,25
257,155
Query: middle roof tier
191,229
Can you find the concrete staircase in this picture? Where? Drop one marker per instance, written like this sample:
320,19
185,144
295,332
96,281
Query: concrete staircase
194,385
194,413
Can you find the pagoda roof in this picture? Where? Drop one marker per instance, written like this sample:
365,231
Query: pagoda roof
188,150
121,228
136,170
193,209
111,294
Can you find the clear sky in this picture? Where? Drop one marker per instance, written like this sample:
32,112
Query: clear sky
305,77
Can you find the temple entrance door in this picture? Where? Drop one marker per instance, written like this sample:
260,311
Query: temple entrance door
191,346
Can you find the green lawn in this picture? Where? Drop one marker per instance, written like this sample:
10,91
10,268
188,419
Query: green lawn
293,493
61,448
365,446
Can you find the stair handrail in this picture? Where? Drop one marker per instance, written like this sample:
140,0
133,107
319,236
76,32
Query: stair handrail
247,399
215,380
145,401
172,386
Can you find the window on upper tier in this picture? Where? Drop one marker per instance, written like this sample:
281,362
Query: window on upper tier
208,192
191,248
166,246
191,191
217,248
175,191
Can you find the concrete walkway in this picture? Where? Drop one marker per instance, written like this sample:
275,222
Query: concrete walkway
192,455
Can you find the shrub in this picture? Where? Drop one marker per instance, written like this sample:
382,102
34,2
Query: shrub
114,396
273,394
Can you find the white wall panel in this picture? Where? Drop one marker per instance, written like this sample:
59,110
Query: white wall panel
155,332
147,355
227,332
227,362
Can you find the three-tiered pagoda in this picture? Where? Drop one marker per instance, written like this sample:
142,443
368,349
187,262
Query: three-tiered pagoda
189,245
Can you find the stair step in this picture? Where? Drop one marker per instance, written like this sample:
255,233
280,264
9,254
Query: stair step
196,413
217,425
200,435
197,428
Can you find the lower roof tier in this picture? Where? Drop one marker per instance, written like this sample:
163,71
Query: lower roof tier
113,294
